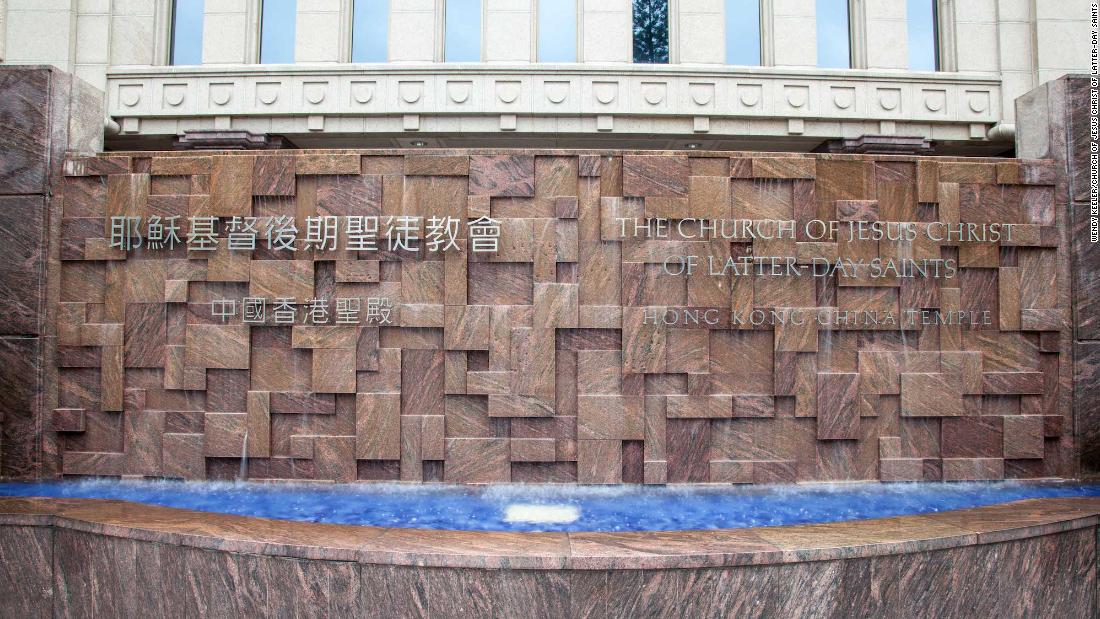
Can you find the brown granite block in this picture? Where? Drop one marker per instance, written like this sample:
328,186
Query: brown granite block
217,346
730,472
281,278
857,210
112,376
901,469
302,403
610,417
931,395
972,437
784,167
687,448
502,175
437,165
699,406
1012,382
272,175
555,305
230,187
357,271
599,461
327,163
466,327
323,336
647,175
259,424
644,342
67,420
477,460
837,414
1023,436
533,450
272,585
753,406
334,370
378,426
973,469
224,435
144,335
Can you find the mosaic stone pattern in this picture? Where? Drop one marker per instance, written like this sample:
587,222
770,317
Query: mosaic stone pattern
535,364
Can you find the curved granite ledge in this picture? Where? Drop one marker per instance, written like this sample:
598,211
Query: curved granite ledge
95,558
557,551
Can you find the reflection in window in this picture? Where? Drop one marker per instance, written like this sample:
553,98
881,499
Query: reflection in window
834,46
651,31
557,30
370,30
462,40
743,32
922,35
187,32
277,19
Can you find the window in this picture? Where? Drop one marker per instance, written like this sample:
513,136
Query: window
277,20
462,38
187,32
557,31
923,35
370,30
743,32
834,44
651,31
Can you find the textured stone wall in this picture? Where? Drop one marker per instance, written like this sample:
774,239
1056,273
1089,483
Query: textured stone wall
1054,124
535,363
43,114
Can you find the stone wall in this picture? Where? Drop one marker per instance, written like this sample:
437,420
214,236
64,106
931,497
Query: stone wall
1054,124
43,114
537,362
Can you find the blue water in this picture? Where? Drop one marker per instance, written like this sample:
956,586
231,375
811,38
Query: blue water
615,508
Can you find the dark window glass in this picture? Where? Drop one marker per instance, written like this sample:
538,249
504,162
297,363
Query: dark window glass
557,31
923,35
743,32
370,30
277,21
651,31
462,41
834,45
187,32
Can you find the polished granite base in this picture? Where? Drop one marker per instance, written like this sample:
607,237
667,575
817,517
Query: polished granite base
84,557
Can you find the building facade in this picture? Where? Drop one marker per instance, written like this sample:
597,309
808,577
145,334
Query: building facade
713,74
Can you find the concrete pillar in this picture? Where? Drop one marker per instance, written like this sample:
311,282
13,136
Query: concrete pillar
230,32
509,26
793,40
607,31
320,35
702,31
415,30
885,31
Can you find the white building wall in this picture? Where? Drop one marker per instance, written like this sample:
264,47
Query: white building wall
702,31
606,31
415,30
1062,37
320,35
794,40
509,28
886,34
230,32
41,32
